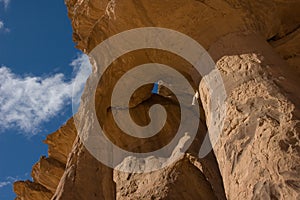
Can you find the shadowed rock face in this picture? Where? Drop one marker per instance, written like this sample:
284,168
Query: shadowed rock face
255,45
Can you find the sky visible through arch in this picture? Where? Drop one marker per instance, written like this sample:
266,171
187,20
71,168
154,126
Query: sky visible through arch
38,66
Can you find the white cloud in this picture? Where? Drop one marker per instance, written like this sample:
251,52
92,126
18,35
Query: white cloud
27,102
2,27
9,180
1,24
5,3
13,179
82,68
5,183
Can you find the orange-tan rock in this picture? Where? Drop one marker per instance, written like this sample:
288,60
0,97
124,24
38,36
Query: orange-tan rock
258,153
31,191
48,171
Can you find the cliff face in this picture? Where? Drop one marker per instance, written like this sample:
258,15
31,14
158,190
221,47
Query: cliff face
255,45
48,171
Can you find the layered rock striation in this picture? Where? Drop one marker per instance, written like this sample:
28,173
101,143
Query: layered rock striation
255,45
48,171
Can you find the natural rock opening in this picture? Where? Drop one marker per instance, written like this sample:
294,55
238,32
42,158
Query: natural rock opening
258,151
141,101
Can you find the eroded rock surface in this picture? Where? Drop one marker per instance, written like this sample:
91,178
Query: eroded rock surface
257,155
258,150
48,171
181,180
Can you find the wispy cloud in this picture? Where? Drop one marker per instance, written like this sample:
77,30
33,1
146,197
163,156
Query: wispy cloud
2,27
5,3
9,180
2,24
26,102
82,69
4,183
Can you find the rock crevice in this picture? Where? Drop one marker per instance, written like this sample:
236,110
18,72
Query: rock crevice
255,45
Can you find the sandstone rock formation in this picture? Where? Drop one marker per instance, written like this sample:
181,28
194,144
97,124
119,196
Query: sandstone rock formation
256,47
48,171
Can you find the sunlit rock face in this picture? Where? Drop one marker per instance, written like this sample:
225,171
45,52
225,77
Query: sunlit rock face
48,171
255,45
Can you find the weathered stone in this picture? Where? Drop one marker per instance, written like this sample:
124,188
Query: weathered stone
256,156
48,173
258,150
85,178
60,142
31,191
181,180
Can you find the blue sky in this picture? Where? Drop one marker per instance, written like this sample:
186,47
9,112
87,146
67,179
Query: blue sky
37,60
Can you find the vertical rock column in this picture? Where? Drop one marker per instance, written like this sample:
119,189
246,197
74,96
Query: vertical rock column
258,150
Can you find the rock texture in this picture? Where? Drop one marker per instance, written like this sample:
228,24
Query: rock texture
47,172
288,48
258,151
181,180
29,190
256,47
